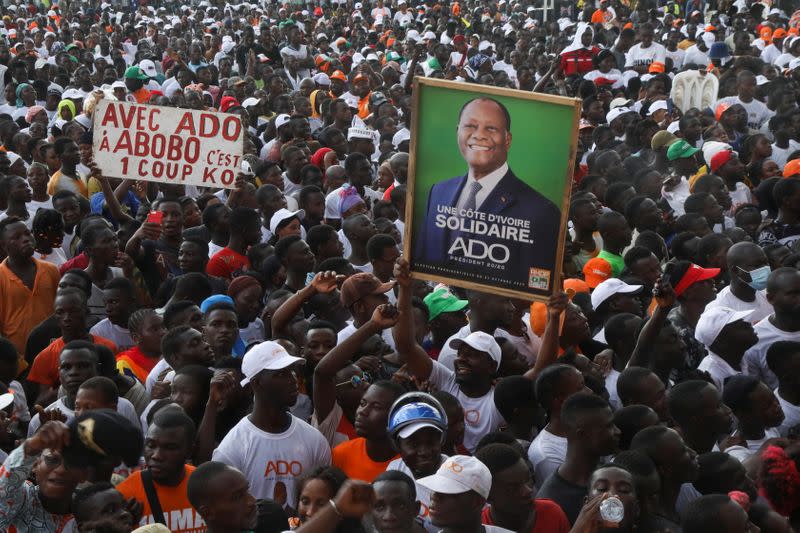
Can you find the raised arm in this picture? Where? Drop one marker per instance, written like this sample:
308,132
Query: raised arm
323,282
418,362
548,352
353,501
384,316
665,298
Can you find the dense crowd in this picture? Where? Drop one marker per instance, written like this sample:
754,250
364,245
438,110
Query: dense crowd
177,358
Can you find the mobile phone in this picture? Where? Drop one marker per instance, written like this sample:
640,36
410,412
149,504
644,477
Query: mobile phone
156,217
670,106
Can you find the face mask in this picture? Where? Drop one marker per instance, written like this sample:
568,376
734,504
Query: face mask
759,277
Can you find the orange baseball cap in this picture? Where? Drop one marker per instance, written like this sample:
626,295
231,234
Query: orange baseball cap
596,271
338,75
792,168
576,285
779,33
721,108
538,310
656,67
766,34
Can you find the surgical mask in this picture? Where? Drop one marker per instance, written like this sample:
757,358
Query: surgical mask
758,277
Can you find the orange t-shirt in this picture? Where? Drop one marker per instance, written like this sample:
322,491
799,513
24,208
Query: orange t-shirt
351,456
179,515
44,369
22,309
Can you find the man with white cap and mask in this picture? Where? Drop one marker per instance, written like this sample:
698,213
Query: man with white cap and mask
726,334
459,491
271,447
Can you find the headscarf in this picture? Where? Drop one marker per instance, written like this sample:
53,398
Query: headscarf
318,159
20,88
66,103
349,199
313,97
32,111
477,61
576,40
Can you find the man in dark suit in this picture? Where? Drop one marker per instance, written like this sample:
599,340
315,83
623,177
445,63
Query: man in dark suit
465,213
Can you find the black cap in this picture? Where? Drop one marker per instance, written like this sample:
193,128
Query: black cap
103,433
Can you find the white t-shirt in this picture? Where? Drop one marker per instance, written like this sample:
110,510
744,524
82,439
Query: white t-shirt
350,329
35,205
403,19
273,463
56,257
755,359
639,56
781,155
695,56
124,407
717,368
791,412
152,377
546,454
423,493
611,387
752,446
116,334
677,58
757,112
760,306
480,414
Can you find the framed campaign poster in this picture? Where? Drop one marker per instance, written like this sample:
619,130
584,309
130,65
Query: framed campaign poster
488,185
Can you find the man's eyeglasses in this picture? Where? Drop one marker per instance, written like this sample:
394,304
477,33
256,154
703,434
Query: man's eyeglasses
356,381
53,460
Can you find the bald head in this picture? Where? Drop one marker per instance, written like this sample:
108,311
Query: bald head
335,172
781,279
746,256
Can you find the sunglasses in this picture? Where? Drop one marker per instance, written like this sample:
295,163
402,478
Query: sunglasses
356,381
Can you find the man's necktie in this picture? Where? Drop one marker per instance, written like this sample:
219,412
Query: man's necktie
469,205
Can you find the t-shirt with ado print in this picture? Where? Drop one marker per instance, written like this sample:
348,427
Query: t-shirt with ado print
273,463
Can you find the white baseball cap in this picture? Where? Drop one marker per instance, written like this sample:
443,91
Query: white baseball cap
618,102
714,319
615,113
460,474
249,102
281,119
412,35
148,67
267,355
483,342
118,85
283,214
428,36
609,288
656,106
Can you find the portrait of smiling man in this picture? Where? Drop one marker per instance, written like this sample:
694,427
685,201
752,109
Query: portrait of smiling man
487,223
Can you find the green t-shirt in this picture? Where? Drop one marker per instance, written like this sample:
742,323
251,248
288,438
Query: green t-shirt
616,262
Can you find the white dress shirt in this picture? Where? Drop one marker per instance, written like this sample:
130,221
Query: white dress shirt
488,183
